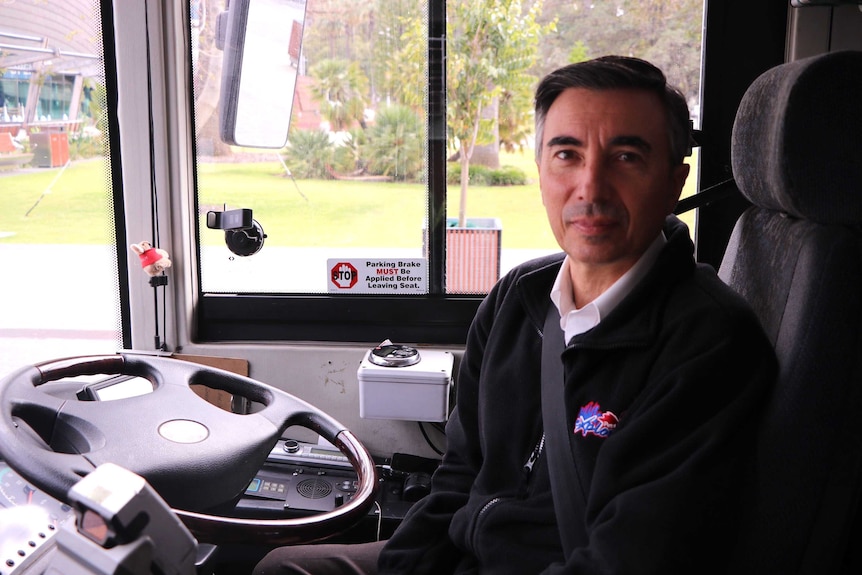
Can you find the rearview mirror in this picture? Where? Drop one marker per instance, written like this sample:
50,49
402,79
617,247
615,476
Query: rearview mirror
262,42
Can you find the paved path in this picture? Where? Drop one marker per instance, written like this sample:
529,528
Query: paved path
56,301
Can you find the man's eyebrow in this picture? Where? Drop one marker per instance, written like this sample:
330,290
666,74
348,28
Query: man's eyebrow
630,141
564,141
633,142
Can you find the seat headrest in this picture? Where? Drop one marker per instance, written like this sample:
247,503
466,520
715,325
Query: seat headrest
797,139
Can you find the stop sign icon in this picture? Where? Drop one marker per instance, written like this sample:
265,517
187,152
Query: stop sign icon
344,275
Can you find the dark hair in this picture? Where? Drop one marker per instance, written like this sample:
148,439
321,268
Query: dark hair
618,72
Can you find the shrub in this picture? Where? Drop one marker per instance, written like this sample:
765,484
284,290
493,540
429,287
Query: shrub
478,175
346,156
82,147
308,153
395,145
485,176
508,176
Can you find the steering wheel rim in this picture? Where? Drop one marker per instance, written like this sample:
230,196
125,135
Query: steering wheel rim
178,442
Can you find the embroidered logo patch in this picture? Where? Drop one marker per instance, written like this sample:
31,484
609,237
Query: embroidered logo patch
593,421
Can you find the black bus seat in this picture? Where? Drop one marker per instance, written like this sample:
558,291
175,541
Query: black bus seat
796,256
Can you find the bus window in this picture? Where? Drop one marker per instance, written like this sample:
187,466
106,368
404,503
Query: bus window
349,183
60,290
490,86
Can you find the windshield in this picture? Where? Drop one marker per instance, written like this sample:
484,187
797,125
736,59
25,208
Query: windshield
357,186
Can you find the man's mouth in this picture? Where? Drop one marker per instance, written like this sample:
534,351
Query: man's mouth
593,226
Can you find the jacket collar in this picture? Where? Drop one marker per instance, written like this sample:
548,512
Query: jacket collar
675,261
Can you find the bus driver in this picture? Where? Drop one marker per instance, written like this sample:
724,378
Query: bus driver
665,369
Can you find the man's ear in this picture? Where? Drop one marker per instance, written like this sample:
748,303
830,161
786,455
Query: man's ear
678,175
539,171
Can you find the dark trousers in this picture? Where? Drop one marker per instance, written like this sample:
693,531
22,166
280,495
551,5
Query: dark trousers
322,559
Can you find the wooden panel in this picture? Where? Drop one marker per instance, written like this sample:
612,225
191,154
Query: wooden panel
217,397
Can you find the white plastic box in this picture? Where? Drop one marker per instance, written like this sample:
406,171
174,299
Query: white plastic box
418,392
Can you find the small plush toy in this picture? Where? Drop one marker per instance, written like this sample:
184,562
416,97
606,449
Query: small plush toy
153,260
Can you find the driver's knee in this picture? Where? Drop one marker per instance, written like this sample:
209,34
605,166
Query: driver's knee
322,559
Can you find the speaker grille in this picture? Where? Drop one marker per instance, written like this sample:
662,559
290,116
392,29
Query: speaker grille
314,488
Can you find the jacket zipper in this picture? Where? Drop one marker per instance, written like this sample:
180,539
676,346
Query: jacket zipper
534,456
528,468
488,506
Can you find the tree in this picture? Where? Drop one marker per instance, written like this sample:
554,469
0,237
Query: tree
668,33
335,28
408,60
207,79
340,87
392,23
491,47
671,38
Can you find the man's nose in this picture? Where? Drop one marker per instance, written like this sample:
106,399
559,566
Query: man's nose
592,182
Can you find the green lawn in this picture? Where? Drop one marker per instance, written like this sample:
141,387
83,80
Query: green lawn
352,213
56,206
50,206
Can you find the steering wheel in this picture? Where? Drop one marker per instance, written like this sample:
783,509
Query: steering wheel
194,454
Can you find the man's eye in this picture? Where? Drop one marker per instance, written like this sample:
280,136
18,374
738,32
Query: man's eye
563,155
629,157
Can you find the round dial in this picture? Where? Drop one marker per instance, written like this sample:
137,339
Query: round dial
15,491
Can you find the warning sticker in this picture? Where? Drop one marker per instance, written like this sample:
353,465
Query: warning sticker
378,276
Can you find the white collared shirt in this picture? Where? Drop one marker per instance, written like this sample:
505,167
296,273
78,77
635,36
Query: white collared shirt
574,321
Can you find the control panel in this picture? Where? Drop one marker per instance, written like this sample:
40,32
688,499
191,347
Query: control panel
301,478
296,452
293,490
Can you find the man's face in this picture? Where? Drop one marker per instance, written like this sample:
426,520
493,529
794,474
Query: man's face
605,175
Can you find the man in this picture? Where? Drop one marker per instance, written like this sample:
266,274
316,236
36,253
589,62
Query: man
664,366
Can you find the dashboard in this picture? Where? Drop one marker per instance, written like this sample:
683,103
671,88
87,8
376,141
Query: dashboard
29,519
15,491
298,479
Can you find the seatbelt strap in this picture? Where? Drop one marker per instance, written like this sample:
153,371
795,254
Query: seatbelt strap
569,504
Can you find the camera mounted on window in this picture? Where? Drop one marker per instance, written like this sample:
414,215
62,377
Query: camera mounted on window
243,234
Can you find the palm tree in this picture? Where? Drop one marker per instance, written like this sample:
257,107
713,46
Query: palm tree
340,88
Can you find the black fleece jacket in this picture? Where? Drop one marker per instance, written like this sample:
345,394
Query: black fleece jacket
661,396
